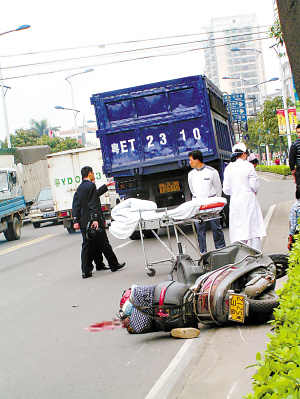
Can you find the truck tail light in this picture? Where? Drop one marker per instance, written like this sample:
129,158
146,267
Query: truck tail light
63,214
104,208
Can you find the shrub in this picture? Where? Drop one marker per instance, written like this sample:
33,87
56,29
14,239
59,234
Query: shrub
279,169
278,373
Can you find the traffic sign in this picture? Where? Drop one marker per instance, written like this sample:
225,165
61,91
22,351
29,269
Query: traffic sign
237,106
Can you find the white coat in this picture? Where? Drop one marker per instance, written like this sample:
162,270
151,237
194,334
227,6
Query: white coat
245,217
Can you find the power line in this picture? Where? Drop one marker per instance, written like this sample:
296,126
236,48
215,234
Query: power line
134,59
129,51
136,41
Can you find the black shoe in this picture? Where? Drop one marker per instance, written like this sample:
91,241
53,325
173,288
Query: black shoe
87,275
120,265
102,266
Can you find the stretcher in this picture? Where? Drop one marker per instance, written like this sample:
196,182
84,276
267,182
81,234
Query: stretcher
140,215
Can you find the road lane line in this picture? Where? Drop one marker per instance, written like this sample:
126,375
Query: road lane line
167,380
263,178
123,245
25,244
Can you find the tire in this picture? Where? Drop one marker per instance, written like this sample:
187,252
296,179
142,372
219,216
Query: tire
281,261
36,225
7,236
135,235
14,229
268,302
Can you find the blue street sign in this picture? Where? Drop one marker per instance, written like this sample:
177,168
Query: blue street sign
237,106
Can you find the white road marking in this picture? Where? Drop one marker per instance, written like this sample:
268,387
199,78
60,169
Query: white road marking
166,381
25,244
123,245
263,178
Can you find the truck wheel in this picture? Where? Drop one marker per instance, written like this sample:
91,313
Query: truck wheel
14,229
71,230
36,225
7,235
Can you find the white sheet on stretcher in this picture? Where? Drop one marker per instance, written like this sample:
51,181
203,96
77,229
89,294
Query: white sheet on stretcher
127,214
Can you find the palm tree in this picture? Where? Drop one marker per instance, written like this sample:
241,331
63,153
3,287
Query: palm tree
40,127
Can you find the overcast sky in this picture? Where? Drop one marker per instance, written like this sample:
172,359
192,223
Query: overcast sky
92,24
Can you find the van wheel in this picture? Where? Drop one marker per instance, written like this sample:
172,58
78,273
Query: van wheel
36,225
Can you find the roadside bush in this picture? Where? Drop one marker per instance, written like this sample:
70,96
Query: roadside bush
279,169
278,373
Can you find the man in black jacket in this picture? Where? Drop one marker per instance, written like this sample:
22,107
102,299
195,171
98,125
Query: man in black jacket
88,209
294,157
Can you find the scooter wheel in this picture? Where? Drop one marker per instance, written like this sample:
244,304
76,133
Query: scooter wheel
265,304
281,261
151,272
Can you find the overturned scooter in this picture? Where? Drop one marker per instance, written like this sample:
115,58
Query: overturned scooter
231,284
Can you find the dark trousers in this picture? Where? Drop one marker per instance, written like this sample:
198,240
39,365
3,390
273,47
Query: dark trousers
297,177
217,234
93,250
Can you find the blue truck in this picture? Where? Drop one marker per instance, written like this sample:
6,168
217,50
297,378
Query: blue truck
146,133
12,212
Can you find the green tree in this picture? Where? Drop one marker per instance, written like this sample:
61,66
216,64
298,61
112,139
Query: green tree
265,129
41,127
21,138
58,144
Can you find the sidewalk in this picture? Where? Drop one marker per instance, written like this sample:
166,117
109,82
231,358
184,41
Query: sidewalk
217,369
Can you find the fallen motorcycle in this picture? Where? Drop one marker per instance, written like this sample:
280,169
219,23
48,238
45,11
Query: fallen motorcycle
231,284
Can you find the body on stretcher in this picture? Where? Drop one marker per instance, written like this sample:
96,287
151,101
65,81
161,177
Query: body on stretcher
134,214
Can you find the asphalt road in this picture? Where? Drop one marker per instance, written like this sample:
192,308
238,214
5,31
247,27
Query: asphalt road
45,306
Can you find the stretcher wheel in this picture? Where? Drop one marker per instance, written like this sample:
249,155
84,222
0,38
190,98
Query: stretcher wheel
151,272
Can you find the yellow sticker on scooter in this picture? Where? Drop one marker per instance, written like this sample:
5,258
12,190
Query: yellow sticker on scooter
236,308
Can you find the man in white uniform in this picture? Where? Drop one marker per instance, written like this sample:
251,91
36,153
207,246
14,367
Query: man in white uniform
204,182
241,183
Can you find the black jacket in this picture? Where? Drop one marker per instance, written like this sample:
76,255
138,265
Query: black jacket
87,205
294,156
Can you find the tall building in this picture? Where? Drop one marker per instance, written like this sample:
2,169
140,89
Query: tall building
234,52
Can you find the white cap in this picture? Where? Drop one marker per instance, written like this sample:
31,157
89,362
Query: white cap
239,146
251,157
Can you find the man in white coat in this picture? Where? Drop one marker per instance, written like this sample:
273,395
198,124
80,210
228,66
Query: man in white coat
241,183
204,182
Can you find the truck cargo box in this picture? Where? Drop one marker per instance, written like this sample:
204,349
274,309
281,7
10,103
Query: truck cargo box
147,132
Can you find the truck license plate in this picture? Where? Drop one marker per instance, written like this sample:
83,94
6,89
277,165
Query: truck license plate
49,214
169,187
237,308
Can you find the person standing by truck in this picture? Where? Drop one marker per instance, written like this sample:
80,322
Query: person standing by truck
204,182
88,212
294,157
241,183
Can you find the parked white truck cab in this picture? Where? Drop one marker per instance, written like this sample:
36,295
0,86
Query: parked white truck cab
64,173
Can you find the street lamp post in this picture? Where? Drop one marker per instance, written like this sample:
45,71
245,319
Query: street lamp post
73,104
2,88
22,27
288,130
257,52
